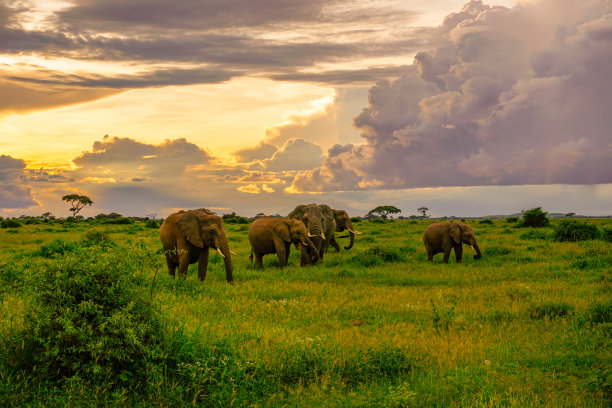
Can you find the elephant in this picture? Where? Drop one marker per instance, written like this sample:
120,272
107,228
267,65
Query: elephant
343,221
320,223
444,236
186,238
269,235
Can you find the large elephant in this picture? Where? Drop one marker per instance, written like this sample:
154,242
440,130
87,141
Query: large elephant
320,223
186,238
269,235
343,221
444,236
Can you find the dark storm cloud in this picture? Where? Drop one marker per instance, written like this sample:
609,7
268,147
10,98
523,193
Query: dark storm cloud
13,192
274,38
500,100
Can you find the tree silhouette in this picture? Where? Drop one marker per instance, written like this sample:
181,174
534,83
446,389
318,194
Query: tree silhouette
384,210
77,202
423,211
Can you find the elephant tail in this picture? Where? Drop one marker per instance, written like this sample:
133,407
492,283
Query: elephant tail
251,257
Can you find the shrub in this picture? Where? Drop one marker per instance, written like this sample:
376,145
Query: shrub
10,223
573,230
511,219
152,224
378,254
99,238
599,313
355,219
489,222
535,218
550,310
87,321
57,247
607,234
119,220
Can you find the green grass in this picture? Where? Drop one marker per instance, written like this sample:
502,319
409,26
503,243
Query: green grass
528,325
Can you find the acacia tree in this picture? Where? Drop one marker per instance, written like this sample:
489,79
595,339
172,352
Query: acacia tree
423,211
77,202
384,210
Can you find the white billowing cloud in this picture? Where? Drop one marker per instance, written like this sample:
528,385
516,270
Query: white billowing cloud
507,96
14,193
128,159
248,154
295,154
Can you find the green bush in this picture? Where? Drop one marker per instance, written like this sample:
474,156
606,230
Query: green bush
57,247
489,222
355,219
152,224
535,218
511,219
550,310
87,321
119,220
99,238
599,313
376,255
10,223
573,230
606,234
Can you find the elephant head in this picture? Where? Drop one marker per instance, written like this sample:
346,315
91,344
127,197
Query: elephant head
294,231
312,217
461,233
205,229
343,221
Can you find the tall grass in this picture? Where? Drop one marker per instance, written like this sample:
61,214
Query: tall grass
375,326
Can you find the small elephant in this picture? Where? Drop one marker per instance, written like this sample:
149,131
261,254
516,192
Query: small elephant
343,221
269,235
444,236
186,238
320,223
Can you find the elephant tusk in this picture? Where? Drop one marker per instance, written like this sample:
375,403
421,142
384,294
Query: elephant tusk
305,244
220,253
233,253
310,235
323,235
354,232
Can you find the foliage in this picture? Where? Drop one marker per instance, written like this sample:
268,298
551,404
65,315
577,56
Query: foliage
535,218
152,224
10,223
485,222
232,218
606,234
356,219
423,211
572,230
88,321
511,219
550,310
57,247
383,211
119,221
77,202
599,312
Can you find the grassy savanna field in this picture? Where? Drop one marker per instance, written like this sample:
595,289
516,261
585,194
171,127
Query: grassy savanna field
528,325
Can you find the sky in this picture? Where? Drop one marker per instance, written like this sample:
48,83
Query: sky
148,106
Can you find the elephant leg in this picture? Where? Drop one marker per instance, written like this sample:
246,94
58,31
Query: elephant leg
281,252
304,256
183,263
203,263
459,253
171,265
259,260
335,244
447,252
430,252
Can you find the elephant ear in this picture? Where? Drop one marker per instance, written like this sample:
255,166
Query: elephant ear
282,230
454,231
298,213
189,227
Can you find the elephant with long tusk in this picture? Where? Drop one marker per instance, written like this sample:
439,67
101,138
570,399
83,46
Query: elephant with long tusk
187,237
343,221
319,221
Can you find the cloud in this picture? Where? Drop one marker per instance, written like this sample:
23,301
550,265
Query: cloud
128,159
14,193
262,151
295,154
499,100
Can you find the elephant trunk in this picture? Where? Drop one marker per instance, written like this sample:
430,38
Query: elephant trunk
315,251
351,235
227,257
477,249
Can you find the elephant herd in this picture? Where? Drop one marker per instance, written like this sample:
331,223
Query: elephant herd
187,237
